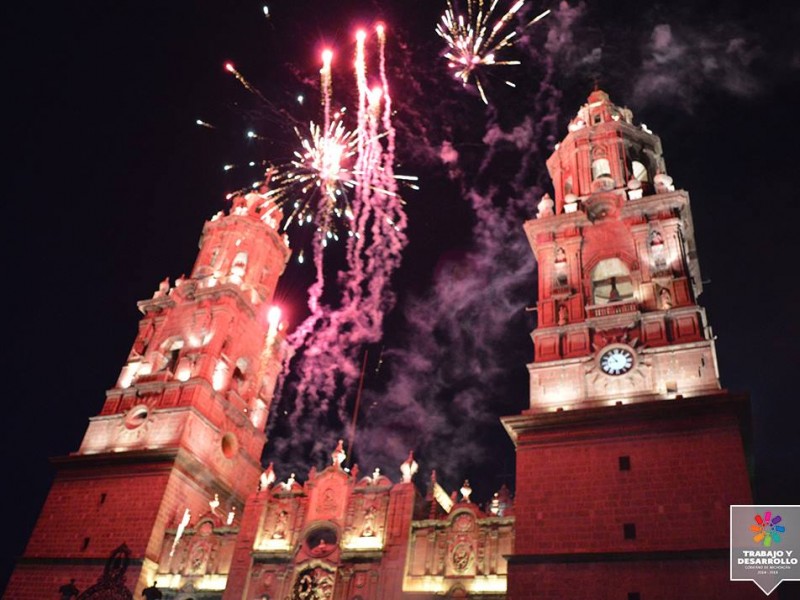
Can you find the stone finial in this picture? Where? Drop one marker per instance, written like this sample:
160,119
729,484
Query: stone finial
163,288
410,467
338,455
376,474
663,183
494,507
289,483
501,502
545,206
267,478
187,515
214,504
466,491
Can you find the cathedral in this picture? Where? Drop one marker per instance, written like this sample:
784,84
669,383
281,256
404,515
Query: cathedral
628,455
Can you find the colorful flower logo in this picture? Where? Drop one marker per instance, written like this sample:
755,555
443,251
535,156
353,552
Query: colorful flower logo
767,529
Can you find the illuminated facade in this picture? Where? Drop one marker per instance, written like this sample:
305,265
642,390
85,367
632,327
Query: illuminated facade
630,452
185,422
627,458
341,535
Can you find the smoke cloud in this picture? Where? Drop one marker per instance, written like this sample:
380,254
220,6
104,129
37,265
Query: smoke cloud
449,375
445,379
681,64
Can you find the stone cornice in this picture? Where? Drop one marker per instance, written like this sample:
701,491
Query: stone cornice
678,409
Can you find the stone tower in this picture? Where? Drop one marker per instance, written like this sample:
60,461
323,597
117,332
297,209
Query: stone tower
184,425
630,452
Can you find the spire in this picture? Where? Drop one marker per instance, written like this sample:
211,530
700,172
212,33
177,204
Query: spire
338,455
410,467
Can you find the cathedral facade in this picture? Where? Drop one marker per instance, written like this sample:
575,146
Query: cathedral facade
628,455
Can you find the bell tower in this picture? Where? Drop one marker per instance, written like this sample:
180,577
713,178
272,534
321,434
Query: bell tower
630,452
184,425
618,318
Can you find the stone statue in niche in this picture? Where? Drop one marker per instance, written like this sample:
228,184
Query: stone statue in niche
280,526
369,522
665,299
561,255
563,314
656,239
329,502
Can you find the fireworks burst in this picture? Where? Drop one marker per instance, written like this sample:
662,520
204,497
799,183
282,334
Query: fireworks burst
313,185
475,41
340,179
330,340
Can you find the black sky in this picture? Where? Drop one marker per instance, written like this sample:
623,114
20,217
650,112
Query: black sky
111,181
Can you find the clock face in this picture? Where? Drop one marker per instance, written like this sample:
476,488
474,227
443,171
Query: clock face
616,361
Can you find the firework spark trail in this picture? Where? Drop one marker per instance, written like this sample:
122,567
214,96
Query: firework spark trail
361,84
387,167
326,87
246,84
387,102
390,220
475,42
437,400
330,362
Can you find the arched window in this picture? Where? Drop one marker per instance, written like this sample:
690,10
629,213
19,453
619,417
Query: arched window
600,168
639,171
170,350
239,264
611,281
561,268
239,374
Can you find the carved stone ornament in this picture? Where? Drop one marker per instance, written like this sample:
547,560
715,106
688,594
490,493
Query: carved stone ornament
111,584
462,556
314,583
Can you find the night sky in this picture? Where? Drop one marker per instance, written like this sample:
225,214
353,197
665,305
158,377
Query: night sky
111,181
